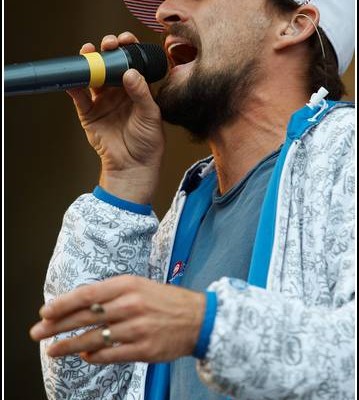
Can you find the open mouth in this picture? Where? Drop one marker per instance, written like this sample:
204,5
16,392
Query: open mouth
180,52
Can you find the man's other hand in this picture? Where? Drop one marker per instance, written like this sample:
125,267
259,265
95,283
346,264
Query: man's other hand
135,319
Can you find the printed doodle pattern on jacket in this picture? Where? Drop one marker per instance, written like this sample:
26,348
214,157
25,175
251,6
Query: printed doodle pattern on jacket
97,241
293,341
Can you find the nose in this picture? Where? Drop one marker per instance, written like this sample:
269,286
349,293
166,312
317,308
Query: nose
170,12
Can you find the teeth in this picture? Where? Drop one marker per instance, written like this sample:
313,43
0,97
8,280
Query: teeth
173,45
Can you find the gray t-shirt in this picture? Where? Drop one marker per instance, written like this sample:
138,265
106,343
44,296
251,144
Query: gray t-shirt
222,247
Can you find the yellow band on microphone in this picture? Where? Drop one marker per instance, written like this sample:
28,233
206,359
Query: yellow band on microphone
97,69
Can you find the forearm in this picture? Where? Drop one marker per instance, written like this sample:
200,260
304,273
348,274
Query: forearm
97,241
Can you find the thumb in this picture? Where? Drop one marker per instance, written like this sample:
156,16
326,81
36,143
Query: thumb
138,90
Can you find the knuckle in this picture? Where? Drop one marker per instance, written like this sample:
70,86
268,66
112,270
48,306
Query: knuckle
65,346
129,281
142,91
147,350
139,330
155,112
129,278
88,295
142,86
136,303
136,89
88,318
54,307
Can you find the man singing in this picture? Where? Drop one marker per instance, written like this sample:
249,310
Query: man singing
246,288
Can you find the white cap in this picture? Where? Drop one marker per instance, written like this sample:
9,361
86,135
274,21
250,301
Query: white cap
337,19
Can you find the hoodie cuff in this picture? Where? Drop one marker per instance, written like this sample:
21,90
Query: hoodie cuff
207,326
101,194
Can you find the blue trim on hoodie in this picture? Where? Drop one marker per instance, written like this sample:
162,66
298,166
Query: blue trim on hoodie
299,124
102,194
207,325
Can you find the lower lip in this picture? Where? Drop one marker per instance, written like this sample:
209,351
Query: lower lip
182,67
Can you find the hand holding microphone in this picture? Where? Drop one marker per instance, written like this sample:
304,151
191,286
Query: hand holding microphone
121,120
124,126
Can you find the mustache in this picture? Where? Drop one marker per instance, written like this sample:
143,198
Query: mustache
185,32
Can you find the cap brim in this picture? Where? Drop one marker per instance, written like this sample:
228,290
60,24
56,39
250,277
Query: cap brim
145,11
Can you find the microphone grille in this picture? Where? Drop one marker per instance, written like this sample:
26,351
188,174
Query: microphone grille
153,64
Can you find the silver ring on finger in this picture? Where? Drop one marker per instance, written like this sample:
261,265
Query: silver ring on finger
106,336
97,308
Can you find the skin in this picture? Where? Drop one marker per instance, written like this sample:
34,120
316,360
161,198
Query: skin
137,309
156,322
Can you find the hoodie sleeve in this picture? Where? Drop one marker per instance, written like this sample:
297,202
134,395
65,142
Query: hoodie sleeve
265,346
97,240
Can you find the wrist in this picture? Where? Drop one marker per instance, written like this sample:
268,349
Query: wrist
137,186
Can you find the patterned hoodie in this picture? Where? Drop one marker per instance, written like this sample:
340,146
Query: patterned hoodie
287,333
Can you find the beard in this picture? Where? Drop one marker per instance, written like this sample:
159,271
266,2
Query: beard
208,100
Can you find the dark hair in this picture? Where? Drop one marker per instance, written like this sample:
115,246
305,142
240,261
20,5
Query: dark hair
321,71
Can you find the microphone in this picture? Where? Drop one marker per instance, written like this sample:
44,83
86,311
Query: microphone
91,70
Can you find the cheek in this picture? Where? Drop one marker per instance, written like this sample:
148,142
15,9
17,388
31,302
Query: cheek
229,36
221,38
220,50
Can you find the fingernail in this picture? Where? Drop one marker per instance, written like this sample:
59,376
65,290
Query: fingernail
85,45
133,76
123,35
109,38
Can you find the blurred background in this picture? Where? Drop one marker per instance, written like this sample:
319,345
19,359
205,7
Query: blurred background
49,163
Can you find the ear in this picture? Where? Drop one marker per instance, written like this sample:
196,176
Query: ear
299,28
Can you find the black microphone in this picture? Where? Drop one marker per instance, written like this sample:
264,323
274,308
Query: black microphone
87,70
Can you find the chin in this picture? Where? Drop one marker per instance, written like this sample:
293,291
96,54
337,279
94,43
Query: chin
203,101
